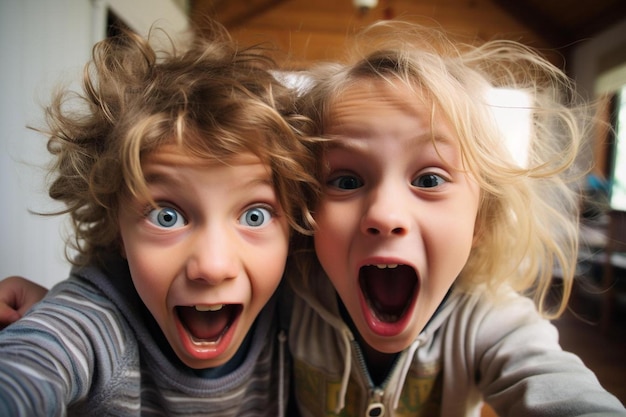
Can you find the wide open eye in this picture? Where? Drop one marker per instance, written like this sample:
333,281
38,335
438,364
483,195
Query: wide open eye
429,180
346,182
166,217
255,217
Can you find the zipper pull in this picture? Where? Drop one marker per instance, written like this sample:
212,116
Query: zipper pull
376,408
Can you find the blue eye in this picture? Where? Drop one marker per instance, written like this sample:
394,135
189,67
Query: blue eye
166,217
255,217
346,182
428,181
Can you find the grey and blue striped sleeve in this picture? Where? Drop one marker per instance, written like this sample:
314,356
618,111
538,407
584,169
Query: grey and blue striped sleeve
48,358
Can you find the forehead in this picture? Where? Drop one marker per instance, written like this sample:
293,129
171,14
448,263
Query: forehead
376,107
164,165
366,102
392,91
392,121
176,155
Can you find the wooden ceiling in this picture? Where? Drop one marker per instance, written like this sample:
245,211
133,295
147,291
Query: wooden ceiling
312,30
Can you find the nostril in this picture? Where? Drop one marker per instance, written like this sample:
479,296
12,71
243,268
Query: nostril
397,231
373,231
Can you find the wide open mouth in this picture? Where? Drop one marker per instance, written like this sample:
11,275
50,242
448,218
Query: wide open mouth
208,323
389,290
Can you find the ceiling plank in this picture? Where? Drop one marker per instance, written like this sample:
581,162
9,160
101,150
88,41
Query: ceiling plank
534,18
312,29
230,13
604,19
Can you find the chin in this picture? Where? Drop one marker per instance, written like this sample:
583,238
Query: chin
390,345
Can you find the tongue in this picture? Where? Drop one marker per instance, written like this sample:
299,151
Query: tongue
389,290
205,325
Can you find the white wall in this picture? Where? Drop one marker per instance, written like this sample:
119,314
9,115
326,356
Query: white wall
42,43
587,55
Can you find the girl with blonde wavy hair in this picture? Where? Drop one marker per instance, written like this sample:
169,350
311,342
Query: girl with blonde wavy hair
433,239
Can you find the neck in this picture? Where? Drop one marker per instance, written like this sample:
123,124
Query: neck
378,364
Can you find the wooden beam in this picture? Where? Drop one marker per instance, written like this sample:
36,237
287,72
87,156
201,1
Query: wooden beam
603,20
554,34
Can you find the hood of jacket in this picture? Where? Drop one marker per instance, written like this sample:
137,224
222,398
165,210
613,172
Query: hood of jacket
319,295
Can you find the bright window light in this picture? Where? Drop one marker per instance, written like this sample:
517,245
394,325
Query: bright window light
512,111
618,179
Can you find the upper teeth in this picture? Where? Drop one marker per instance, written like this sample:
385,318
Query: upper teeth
383,266
214,307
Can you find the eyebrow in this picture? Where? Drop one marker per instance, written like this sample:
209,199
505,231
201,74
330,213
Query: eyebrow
354,143
155,176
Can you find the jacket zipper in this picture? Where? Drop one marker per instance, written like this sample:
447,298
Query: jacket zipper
376,406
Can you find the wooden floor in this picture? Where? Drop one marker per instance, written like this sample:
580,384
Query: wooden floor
604,354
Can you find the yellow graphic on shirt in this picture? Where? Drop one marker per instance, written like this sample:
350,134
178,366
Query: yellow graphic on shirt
319,392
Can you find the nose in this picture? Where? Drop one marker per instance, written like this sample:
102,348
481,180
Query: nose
387,212
213,257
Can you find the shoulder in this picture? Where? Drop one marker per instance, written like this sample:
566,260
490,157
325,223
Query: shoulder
76,314
487,325
71,341
480,308
513,356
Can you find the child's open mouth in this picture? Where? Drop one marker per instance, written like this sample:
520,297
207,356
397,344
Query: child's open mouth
208,323
389,290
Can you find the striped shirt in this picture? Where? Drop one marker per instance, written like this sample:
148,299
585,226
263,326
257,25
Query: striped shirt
92,348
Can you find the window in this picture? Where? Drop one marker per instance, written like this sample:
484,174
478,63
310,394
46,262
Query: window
618,165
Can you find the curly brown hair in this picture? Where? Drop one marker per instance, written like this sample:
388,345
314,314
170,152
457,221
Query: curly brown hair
210,97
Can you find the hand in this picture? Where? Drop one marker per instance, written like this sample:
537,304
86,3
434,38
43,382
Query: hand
17,295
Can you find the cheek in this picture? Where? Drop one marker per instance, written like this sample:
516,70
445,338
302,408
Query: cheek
273,265
151,277
152,290
336,222
266,266
331,233
451,246
145,267
152,271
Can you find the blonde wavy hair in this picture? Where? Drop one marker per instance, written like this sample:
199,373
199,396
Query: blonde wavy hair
527,223
210,97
